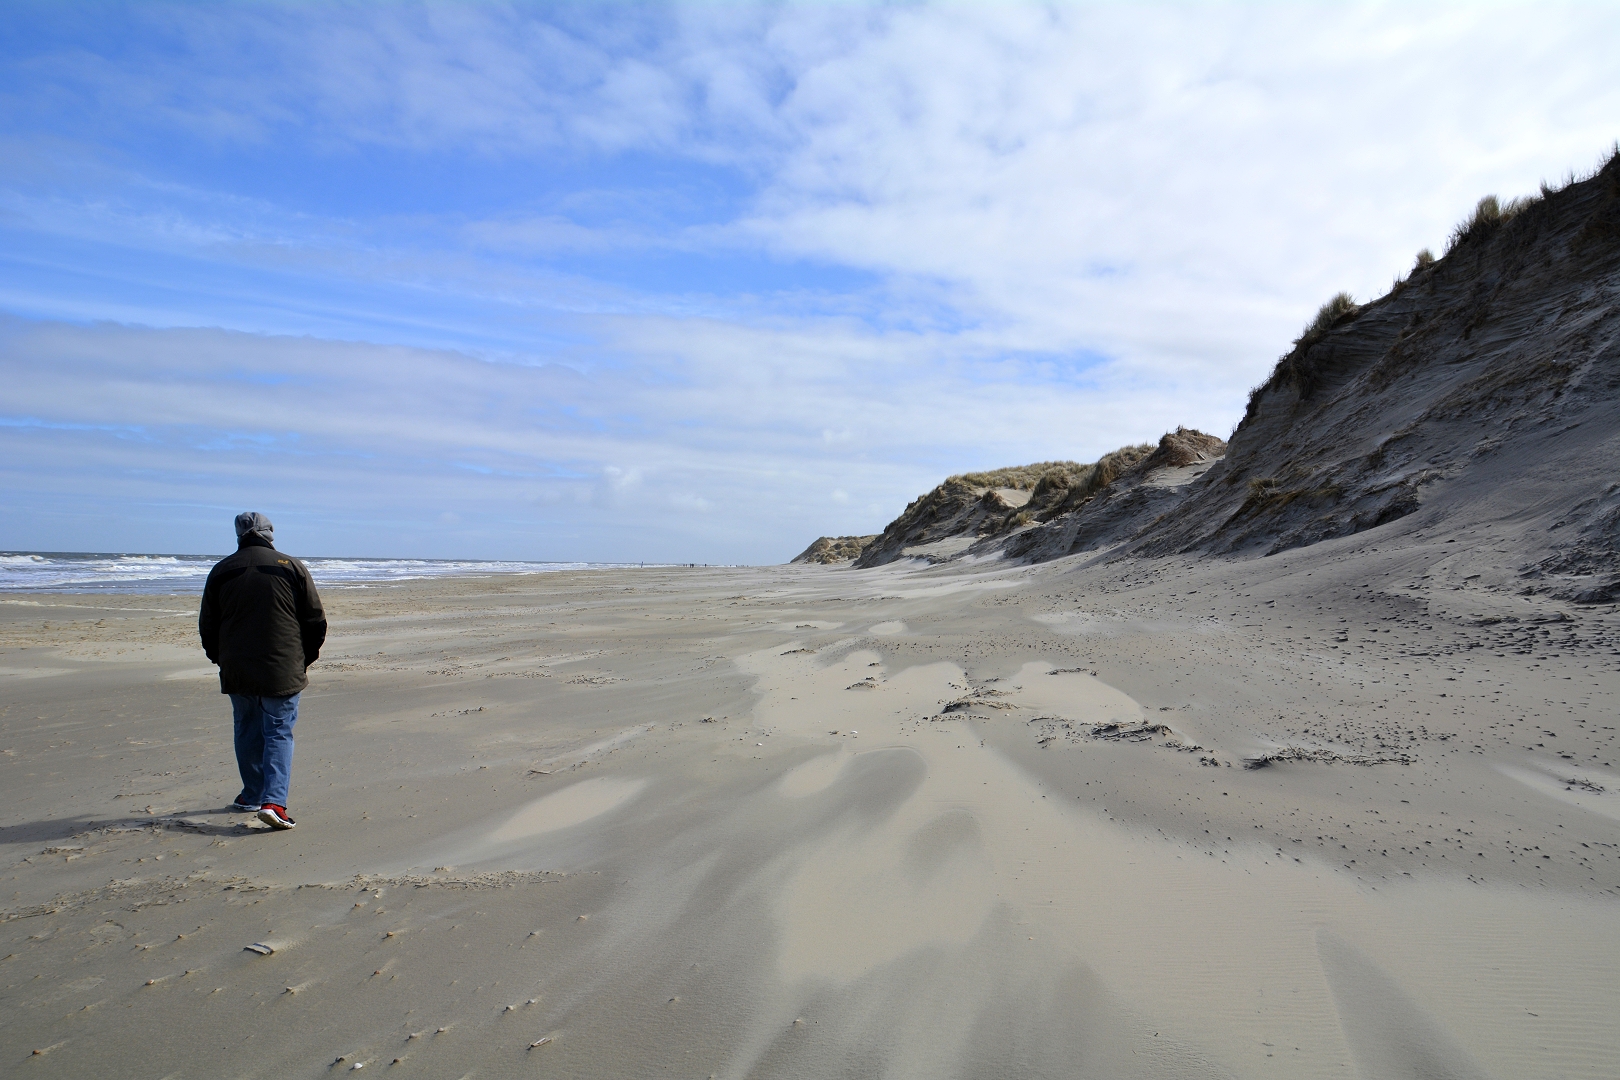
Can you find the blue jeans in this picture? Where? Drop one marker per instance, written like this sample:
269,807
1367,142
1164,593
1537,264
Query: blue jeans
264,746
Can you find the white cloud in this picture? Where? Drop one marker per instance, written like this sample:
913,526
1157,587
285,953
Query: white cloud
621,479
397,436
1082,174
688,502
1170,185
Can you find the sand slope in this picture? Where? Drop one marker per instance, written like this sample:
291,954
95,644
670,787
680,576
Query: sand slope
1477,399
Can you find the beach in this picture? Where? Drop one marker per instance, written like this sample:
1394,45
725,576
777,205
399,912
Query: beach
1325,813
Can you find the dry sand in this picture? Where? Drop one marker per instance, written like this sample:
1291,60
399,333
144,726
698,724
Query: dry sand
967,821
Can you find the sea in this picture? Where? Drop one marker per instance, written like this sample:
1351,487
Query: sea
58,571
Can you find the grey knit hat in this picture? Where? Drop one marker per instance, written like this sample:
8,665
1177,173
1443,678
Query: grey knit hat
251,521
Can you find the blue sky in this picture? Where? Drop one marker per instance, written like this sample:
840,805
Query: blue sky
698,282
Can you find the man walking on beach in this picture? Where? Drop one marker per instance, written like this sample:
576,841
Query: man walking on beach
263,624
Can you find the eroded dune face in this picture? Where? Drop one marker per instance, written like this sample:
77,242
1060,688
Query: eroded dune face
1482,392
1483,387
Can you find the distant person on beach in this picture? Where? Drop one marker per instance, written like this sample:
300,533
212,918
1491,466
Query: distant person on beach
263,624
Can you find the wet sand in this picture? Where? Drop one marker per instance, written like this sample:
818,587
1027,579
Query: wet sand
969,821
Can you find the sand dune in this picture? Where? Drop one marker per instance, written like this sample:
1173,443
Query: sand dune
1477,398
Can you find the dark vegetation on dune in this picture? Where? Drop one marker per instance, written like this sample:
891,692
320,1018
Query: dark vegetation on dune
833,549
1483,387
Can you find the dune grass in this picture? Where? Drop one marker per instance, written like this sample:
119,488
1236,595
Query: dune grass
1019,477
1490,214
1328,316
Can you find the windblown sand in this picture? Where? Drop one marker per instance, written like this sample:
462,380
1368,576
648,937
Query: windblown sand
971,821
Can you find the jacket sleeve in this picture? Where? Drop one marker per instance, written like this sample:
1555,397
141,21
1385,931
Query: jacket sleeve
311,619
208,620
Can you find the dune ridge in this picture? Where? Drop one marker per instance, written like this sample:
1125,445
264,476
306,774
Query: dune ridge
1480,390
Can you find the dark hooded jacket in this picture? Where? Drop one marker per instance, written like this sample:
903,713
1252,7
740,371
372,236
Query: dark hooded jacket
261,621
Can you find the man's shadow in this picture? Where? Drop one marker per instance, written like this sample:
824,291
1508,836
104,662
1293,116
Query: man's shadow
183,821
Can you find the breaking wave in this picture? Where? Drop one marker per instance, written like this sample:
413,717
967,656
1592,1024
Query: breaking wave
25,571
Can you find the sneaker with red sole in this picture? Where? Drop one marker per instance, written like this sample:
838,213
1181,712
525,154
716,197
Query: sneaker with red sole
275,816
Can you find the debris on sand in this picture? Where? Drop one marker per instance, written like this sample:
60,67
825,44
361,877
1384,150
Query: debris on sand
1323,756
1126,732
981,698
